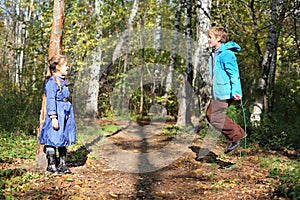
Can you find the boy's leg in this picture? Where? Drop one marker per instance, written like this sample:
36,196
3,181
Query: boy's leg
216,115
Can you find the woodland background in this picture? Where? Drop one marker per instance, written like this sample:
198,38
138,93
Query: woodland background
97,36
267,31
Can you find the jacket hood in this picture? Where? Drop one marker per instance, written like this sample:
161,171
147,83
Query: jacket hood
230,46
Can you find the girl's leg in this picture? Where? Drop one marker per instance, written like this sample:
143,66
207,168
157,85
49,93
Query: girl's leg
62,167
51,157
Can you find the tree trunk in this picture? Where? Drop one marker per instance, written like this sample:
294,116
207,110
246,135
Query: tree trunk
54,48
266,81
142,37
118,50
86,89
169,79
202,81
157,47
184,112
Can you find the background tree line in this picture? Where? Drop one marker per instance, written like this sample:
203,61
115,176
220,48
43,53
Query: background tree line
267,31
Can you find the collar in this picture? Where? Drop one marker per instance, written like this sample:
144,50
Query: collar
62,79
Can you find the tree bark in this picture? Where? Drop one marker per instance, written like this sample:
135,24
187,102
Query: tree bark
169,79
142,37
184,112
266,81
202,81
118,50
157,47
54,48
87,82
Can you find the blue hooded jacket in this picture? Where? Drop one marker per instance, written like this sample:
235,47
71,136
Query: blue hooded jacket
225,72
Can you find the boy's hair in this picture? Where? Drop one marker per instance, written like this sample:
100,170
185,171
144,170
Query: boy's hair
219,31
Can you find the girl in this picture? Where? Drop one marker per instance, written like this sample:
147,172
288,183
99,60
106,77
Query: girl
59,128
226,86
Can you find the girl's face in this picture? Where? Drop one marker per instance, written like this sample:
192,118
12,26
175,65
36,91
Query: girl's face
62,69
213,41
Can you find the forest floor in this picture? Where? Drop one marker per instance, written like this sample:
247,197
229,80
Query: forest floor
214,176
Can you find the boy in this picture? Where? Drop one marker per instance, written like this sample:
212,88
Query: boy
226,86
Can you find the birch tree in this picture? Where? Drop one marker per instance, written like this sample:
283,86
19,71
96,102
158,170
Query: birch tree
184,112
201,80
87,82
157,43
268,65
121,48
118,50
169,78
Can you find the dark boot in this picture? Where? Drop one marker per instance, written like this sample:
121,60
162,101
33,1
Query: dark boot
62,167
51,157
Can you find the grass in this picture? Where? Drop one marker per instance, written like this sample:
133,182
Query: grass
14,146
288,173
17,145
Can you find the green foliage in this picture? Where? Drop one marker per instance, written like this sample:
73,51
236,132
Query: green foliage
288,173
235,113
110,128
279,129
19,109
14,181
289,186
17,145
170,130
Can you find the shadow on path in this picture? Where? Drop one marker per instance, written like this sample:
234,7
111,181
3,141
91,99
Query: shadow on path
144,186
210,157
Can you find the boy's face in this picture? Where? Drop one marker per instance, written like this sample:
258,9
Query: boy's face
213,41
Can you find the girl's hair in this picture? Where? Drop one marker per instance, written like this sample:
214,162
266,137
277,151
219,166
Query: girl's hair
54,63
219,31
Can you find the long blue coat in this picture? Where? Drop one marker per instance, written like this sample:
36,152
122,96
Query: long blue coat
225,72
57,104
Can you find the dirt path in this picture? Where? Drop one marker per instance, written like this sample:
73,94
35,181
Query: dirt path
215,176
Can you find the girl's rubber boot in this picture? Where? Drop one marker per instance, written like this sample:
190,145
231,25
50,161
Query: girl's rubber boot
51,163
62,167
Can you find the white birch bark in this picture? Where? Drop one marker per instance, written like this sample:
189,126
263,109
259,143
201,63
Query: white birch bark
169,79
157,45
118,50
93,88
269,60
201,81
184,112
87,84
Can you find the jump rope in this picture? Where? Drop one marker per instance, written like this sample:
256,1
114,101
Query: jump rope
245,128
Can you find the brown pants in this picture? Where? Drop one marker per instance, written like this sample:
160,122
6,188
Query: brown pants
215,114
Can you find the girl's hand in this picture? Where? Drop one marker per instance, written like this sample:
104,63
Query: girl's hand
55,124
236,97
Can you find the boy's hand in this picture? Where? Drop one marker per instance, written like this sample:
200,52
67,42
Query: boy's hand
236,97
55,124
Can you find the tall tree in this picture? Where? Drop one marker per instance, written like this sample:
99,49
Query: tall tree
169,78
55,47
118,50
268,65
184,112
86,89
142,38
201,81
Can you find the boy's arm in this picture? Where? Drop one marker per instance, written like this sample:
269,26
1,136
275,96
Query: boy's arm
231,68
